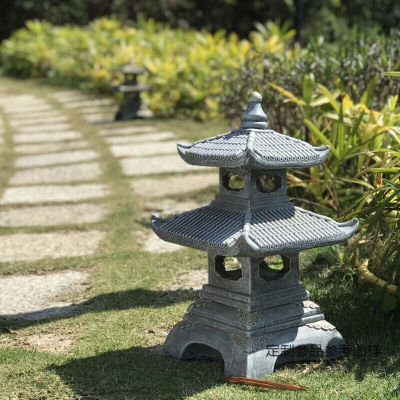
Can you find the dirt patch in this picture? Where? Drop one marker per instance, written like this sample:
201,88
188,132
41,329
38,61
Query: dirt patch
190,280
54,343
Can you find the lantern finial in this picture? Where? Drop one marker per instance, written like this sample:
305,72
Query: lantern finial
254,117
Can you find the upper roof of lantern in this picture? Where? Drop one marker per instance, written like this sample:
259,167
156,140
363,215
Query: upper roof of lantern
253,146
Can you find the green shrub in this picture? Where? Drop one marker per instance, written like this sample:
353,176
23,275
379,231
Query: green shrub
185,66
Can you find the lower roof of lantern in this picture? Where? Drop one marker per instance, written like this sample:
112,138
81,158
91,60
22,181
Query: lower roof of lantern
254,233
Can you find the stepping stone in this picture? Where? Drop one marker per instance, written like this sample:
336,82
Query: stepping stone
36,114
44,128
97,110
38,121
168,207
144,149
18,99
59,174
50,147
99,117
65,157
64,96
36,246
53,193
68,214
35,297
173,184
32,108
90,103
147,137
127,130
46,137
155,165
153,244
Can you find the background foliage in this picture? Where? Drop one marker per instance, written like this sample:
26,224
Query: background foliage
331,18
185,66
325,93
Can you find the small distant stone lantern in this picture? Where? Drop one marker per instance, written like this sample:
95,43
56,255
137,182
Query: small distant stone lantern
253,316
132,106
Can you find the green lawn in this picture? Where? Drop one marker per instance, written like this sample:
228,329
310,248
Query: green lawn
130,309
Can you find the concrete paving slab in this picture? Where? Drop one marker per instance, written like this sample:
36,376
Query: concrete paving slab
144,149
127,130
80,104
35,296
53,193
50,147
67,214
57,174
155,165
36,246
173,184
44,128
46,137
16,123
65,157
146,137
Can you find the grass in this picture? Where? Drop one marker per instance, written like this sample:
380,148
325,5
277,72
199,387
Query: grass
129,309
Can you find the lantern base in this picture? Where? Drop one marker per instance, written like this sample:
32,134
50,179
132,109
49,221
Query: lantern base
251,354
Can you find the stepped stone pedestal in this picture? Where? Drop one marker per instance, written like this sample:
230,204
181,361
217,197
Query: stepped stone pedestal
253,313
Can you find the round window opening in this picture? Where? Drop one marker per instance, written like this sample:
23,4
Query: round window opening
269,183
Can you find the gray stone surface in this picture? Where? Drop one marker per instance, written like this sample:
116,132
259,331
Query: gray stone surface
67,214
173,184
98,117
35,297
57,174
153,244
53,193
30,108
36,246
167,207
44,128
50,147
17,123
143,149
27,115
138,138
97,110
155,165
55,158
83,104
66,96
46,137
126,130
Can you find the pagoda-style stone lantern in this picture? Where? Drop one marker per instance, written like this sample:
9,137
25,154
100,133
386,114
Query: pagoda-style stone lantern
254,316
132,106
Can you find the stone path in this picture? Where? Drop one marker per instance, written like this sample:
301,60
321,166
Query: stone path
56,192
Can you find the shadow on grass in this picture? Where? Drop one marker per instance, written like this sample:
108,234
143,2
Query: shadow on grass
372,336
105,302
136,373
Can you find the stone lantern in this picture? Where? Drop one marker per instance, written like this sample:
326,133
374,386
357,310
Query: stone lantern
132,106
253,316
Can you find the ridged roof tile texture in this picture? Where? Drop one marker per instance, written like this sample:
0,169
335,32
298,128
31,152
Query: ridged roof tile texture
254,148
